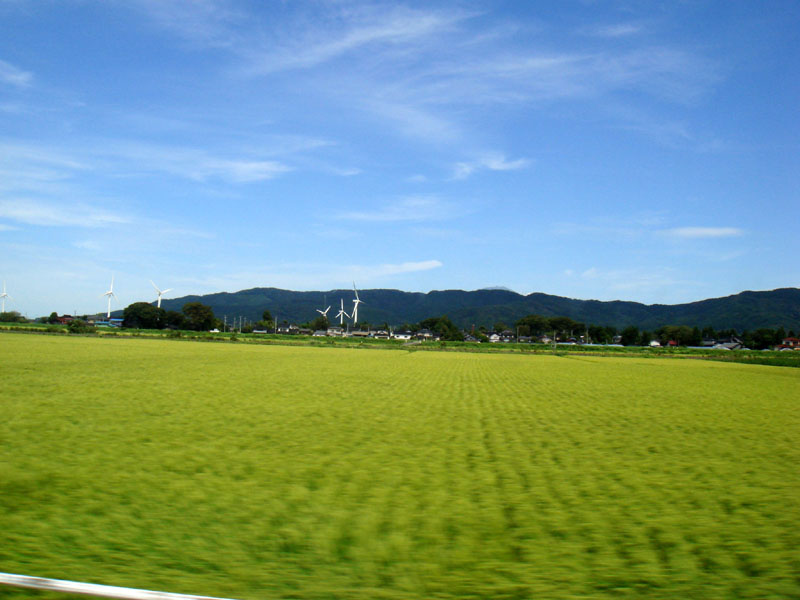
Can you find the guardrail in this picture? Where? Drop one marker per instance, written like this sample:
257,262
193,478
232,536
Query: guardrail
93,589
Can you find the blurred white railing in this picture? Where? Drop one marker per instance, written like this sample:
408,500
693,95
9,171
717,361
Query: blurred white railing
92,589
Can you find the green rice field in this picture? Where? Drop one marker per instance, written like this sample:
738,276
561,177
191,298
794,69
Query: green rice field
261,472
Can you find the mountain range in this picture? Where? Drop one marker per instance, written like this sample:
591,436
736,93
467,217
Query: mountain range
746,310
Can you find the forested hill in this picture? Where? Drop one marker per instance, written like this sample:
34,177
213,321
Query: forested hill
747,310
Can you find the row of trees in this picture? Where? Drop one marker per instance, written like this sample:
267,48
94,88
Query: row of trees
683,335
200,317
195,316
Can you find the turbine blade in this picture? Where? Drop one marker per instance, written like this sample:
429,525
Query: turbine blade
166,290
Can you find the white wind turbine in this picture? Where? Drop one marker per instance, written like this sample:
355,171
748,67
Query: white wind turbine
160,292
324,313
4,295
341,314
110,293
356,302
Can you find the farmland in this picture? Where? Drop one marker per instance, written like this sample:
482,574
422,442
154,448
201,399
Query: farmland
254,471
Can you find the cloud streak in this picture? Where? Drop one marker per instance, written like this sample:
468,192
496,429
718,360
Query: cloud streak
13,76
494,162
32,212
410,209
696,233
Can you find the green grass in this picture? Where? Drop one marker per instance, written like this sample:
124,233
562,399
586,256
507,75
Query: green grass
257,471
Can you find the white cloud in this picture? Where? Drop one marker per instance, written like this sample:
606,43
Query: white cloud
703,232
13,76
33,212
348,31
614,31
386,270
413,208
493,162
653,282
239,171
303,276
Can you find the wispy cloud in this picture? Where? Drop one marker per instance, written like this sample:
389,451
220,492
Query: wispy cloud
413,208
14,76
32,212
643,281
494,162
359,27
703,232
616,30
303,276
386,270
26,163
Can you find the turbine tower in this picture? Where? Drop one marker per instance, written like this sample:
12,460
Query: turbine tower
356,302
3,296
110,293
341,314
160,292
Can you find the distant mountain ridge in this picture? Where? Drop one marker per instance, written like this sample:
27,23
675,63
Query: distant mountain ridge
746,310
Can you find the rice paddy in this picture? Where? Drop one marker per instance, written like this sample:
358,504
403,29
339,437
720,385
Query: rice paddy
300,472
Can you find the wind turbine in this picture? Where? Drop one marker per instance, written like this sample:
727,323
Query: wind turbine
356,302
110,293
160,292
324,313
341,314
3,296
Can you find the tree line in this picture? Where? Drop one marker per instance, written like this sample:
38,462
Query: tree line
197,316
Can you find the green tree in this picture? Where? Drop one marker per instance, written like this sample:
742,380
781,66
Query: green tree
199,317
174,319
53,318
599,335
11,317
444,327
80,326
630,336
533,324
143,315
321,322
266,317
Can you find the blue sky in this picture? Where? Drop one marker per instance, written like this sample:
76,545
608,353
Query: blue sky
629,150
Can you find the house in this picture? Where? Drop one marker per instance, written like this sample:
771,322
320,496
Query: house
320,333
427,335
731,343
335,331
790,343
381,334
507,336
402,335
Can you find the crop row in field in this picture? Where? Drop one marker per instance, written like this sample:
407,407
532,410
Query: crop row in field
265,471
